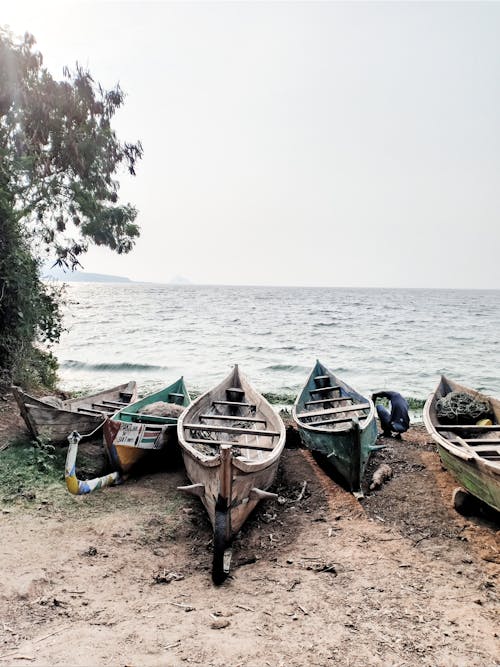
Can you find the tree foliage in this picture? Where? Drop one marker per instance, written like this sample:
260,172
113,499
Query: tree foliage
59,164
59,154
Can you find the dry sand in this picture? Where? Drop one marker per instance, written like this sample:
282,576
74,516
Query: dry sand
122,577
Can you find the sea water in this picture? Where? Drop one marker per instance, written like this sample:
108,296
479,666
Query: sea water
399,339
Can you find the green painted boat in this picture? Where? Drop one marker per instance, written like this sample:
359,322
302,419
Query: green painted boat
338,422
471,452
130,434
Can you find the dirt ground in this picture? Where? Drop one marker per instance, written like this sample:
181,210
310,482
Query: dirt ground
122,577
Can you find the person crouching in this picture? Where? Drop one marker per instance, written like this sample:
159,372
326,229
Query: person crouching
396,421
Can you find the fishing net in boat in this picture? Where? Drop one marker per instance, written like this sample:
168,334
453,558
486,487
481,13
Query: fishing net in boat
163,409
458,406
229,438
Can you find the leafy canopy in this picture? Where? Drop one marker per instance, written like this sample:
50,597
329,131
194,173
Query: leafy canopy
59,155
59,161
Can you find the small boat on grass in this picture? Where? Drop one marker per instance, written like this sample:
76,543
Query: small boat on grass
147,424
469,447
53,419
338,422
231,440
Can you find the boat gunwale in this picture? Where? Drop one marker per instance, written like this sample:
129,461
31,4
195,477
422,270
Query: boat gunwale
39,402
116,416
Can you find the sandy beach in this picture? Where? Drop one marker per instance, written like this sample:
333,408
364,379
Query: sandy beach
122,576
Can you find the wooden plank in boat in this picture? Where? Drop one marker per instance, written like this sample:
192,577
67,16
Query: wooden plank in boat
230,429
336,399
89,411
105,408
487,448
318,389
466,427
217,443
238,403
336,421
333,411
479,441
234,418
154,419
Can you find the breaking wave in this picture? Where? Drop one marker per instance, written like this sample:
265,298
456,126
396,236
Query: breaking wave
124,366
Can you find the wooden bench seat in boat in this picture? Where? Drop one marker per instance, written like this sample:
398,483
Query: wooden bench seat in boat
333,411
151,419
176,396
104,408
466,427
478,441
318,390
217,443
89,411
234,418
487,448
337,421
115,403
336,399
235,394
239,404
321,379
231,429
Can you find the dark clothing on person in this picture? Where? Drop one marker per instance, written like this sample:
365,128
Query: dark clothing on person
398,419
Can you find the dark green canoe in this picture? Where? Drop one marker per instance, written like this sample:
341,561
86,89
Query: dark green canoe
338,422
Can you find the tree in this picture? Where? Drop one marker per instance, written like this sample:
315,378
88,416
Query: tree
59,163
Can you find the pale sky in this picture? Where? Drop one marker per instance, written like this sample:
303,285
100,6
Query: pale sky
328,143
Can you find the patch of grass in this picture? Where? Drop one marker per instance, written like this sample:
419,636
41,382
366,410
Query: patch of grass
28,467
415,403
279,397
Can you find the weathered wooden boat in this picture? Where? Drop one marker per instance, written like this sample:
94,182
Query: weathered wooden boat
470,451
231,440
133,431
338,422
53,419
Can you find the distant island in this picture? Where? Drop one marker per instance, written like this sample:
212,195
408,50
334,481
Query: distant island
82,277
179,280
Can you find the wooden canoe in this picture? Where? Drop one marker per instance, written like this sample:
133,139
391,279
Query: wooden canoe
53,419
338,422
129,434
470,452
231,440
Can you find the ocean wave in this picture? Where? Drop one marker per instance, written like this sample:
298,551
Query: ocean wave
123,366
285,367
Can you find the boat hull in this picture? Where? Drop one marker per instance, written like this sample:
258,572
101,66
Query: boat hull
481,483
232,471
54,424
480,476
347,452
348,445
239,504
149,435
